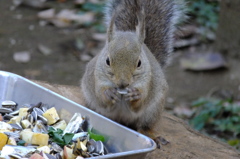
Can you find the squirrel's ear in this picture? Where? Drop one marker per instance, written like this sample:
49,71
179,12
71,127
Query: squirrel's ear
140,28
110,30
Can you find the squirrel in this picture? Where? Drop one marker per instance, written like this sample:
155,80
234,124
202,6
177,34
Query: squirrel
125,81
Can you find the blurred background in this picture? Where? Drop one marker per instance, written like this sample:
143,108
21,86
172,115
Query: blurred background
52,41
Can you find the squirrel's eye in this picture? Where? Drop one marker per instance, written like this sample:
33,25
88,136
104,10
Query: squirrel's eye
108,61
139,63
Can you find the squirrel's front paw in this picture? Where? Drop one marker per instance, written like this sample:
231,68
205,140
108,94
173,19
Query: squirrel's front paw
133,95
112,95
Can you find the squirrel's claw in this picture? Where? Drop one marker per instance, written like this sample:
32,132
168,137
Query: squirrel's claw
133,94
112,95
160,141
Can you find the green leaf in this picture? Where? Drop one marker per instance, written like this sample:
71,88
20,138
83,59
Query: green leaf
68,137
58,137
234,142
21,143
100,28
96,137
93,7
51,129
199,102
199,121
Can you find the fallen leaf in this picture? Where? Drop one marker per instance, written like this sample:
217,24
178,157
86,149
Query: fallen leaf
186,31
83,18
17,2
210,35
12,41
44,50
47,14
79,44
183,111
68,16
85,57
60,23
99,36
63,18
185,42
202,61
43,22
65,14
22,57
31,27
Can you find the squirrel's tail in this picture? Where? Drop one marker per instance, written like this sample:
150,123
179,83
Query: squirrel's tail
161,18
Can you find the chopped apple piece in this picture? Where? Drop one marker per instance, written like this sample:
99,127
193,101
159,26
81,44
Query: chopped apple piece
44,149
51,115
15,120
23,112
36,156
26,123
11,141
3,140
40,139
26,135
68,153
5,126
60,125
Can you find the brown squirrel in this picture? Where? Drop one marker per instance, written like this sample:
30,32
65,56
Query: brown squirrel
125,81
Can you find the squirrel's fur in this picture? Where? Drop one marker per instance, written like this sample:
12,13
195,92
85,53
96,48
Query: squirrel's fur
139,41
161,17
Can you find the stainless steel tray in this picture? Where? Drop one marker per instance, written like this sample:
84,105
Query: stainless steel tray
121,142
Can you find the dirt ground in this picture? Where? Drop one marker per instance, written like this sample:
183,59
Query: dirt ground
20,30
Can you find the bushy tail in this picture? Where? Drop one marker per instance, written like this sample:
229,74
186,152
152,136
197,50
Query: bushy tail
161,17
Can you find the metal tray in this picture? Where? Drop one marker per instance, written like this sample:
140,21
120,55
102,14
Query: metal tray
121,142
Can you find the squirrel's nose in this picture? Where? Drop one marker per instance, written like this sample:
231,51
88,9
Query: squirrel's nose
123,84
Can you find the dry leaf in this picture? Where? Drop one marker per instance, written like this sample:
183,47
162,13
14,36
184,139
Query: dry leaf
186,42
99,36
22,57
44,50
202,61
183,111
46,14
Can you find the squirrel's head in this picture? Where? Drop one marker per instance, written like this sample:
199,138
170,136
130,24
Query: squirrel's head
124,55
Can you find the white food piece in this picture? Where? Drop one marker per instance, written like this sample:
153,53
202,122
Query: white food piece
11,141
122,91
25,123
23,112
15,120
83,147
60,125
68,153
5,126
44,149
26,135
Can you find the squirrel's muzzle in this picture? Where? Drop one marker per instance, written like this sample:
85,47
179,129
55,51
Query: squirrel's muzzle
122,84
